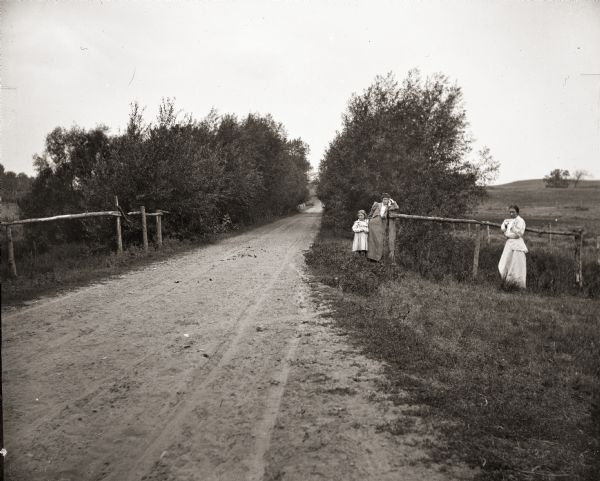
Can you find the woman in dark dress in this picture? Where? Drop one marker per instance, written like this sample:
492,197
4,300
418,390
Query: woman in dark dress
378,223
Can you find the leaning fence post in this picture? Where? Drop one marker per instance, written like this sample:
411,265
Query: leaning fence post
476,251
159,230
488,234
144,228
578,260
11,252
119,238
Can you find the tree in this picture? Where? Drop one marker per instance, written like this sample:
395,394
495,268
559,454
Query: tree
578,175
557,179
409,140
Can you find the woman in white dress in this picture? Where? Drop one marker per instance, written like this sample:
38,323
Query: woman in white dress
361,233
512,265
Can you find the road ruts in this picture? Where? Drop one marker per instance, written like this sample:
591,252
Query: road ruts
101,380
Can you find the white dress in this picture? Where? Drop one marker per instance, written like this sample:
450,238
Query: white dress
512,265
361,235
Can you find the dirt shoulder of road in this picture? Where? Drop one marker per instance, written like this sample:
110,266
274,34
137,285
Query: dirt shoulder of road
334,415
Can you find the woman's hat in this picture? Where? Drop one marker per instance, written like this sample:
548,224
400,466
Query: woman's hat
362,212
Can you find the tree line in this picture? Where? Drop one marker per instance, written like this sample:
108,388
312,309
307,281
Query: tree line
13,186
211,174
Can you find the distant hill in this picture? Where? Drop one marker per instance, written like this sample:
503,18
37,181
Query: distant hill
564,208
535,184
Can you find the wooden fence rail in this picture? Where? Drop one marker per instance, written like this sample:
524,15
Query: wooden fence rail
577,234
109,213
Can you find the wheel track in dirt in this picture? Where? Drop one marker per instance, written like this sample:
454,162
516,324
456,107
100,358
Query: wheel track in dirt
102,385
11,313
9,317
217,358
161,437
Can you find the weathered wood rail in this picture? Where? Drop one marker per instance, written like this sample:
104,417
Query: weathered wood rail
577,234
118,214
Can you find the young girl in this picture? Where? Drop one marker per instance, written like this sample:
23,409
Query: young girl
361,233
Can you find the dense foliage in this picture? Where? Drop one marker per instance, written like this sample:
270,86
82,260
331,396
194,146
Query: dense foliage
210,175
409,140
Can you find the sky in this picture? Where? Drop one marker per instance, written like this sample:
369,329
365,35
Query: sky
529,70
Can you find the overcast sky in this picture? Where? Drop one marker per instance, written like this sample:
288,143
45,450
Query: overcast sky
530,71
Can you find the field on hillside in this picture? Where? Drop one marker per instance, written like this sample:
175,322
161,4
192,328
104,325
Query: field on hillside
564,209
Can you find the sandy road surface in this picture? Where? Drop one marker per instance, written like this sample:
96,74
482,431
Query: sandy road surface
213,365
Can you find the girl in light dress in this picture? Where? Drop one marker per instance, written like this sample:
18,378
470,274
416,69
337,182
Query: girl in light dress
512,265
361,234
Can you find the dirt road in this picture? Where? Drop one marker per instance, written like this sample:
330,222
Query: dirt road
213,365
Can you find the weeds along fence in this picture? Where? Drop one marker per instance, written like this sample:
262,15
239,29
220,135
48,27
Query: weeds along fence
577,235
118,214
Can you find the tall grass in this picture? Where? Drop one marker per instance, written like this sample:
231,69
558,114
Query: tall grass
511,379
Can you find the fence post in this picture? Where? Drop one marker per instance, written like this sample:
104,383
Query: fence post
392,240
488,234
476,251
578,260
11,251
550,234
119,238
598,249
469,228
159,230
144,228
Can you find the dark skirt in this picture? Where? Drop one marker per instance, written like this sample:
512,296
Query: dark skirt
377,228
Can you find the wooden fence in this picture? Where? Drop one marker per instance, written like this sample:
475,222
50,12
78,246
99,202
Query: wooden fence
118,214
577,234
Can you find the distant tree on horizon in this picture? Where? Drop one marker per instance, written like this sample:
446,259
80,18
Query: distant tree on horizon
557,179
579,175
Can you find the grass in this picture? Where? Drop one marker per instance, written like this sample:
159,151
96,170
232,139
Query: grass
510,379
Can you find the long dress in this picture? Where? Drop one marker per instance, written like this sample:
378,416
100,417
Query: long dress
512,265
361,235
378,229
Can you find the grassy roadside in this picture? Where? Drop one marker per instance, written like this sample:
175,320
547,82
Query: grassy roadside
511,379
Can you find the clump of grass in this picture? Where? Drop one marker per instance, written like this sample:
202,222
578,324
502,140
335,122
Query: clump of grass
512,379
